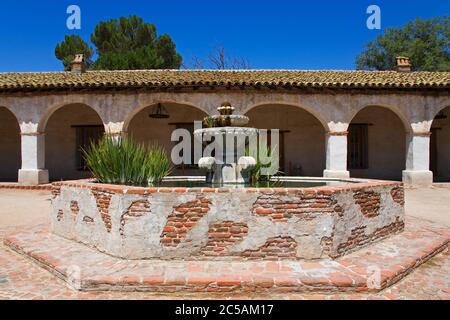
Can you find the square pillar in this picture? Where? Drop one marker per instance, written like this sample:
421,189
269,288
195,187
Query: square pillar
417,171
336,149
33,160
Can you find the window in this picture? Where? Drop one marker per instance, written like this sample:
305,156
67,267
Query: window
358,155
84,136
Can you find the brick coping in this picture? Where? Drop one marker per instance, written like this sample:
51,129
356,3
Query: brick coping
16,186
113,188
371,269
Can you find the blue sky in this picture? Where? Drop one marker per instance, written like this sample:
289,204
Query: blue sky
277,34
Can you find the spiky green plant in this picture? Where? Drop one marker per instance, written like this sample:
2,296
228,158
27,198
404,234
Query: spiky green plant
158,163
126,162
256,173
209,122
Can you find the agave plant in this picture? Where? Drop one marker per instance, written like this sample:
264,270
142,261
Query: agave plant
126,162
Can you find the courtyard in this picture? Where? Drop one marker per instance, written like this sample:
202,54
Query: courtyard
20,278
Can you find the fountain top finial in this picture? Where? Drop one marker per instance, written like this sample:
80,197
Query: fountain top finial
226,109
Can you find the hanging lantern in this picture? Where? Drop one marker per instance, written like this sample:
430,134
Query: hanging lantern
159,112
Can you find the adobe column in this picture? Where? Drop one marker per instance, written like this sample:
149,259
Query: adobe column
115,130
336,149
417,171
33,159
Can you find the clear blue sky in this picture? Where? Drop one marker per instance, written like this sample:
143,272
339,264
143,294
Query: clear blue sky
319,34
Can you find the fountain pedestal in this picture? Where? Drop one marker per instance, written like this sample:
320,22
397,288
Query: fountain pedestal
229,164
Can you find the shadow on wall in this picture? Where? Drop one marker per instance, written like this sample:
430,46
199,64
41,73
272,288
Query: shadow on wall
302,138
149,130
440,146
10,141
68,129
377,145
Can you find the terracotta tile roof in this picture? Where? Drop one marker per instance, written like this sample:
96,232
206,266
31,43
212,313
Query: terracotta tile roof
189,78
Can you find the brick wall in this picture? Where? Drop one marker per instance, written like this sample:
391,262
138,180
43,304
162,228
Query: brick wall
135,210
398,195
305,205
274,249
369,202
359,237
74,209
182,219
334,220
103,199
222,235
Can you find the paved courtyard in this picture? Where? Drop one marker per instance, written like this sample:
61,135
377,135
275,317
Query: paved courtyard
22,279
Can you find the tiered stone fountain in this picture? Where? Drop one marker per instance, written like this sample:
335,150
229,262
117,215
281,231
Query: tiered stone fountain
227,167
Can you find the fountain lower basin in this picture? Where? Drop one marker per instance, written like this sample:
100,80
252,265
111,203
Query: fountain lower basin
325,220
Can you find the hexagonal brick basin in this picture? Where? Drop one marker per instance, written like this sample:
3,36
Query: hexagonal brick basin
328,219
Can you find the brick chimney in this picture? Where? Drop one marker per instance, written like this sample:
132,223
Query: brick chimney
78,65
403,64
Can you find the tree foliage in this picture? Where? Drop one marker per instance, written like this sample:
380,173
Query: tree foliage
129,43
425,42
72,45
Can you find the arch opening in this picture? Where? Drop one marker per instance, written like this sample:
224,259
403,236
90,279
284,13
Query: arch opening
440,146
10,146
302,137
377,144
67,130
149,130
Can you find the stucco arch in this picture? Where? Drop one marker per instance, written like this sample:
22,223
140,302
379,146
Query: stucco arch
53,108
406,123
377,145
65,132
12,111
149,104
302,139
440,108
311,111
10,145
440,145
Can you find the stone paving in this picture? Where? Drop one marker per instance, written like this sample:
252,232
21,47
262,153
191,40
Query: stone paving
21,278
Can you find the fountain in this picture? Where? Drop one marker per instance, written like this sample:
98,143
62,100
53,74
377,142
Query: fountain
222,216
231,166
218,217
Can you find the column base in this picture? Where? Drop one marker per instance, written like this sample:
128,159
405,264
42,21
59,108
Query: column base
33,177
340,174
418,178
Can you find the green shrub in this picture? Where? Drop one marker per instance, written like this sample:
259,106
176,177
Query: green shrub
126,162
257,178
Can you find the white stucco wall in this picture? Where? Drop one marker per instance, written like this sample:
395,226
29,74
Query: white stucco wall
60,140
10,159
387,144
304,143
335,110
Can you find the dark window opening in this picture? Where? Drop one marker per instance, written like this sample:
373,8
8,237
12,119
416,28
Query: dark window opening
358,151
85,135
